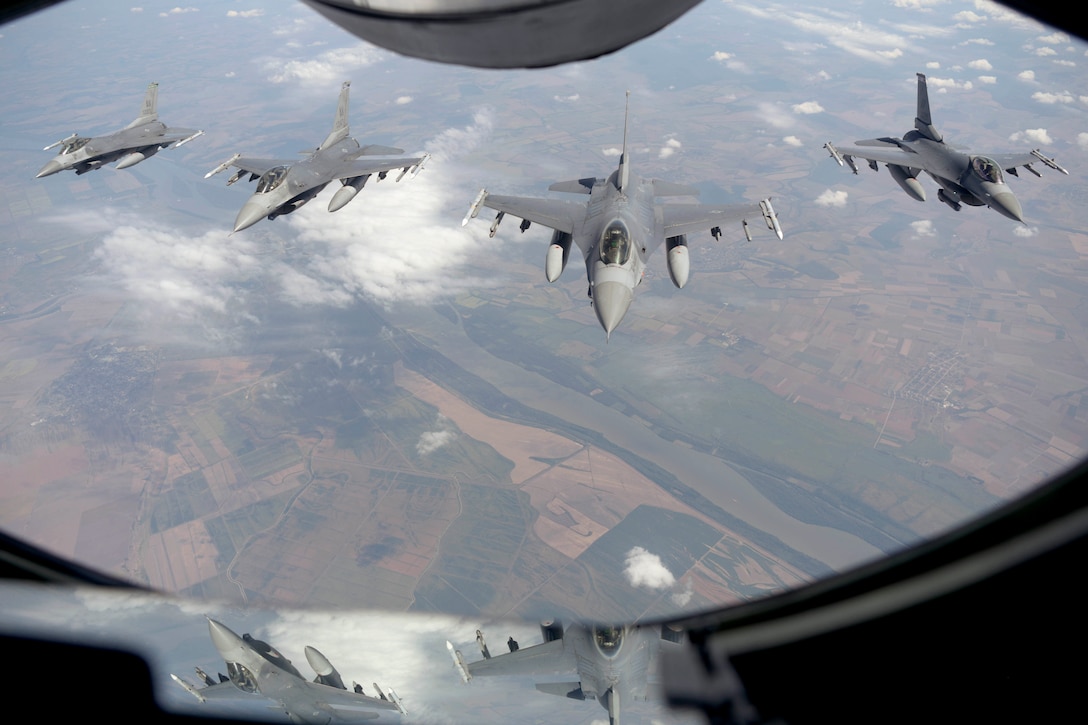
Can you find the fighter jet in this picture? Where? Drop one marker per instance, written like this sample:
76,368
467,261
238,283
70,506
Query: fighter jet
254,666
283,186
141,139
610,663
964,178
618,228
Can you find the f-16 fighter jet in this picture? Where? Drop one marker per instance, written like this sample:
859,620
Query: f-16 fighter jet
284,186
964,178
257,667
141,139
610,663
618,228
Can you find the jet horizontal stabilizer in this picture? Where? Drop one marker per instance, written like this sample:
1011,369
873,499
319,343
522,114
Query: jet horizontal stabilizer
1048,161
474,209
575,186
376,150
223,166
573,690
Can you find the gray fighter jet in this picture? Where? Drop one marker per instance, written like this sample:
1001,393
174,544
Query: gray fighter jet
284,186
611,663
141,139
256,667
618,228
964,178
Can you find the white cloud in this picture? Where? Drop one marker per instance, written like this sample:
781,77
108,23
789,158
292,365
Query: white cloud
1026,75
136,10
978,41
808,107
917,4
671,146
980,64
932,65
1051,98
1045,51
403,100
1023,231
987,80
178,11
612,151
792,141
943,84
644,569
721,55
568,99
832,198
331,67
1082,140
432,440
1055,38
683,597
890,54
1034,135
775,115
923,228
824,75
967,16
1066,63
255,13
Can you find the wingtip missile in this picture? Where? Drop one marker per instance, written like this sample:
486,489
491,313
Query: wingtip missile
474,208
770,216
458,662
834,153
188,688
62,141
395,699
189,138
223,166
1048,161
418,167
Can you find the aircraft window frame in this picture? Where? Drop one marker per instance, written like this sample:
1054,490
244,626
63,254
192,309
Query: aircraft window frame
615,244
74,145
271,179
987,169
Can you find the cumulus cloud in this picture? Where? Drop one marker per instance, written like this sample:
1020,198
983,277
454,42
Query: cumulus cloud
567,99
792,141
255,13
1055,38
331,67
136,10
980,64
977,41
832,198
944,84
1051,98
808,107
968,16
1066,63
932,65
612,151
671,146
1045,51
1023,231
775,115
917,4
1026,75
721,55
644,569
178,11
823,75
683,597
403,100
432,440
1034,135
987,80
923,228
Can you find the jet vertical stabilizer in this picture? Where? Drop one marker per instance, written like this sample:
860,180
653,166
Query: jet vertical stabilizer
340,125
149,111
624,172
922,120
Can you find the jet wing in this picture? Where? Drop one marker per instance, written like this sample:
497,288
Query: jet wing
1009,162
364,167
549,658
348,702
557,214
680,219
877,150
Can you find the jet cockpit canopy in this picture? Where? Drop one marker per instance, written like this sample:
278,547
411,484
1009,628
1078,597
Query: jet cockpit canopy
74,145
271,179
608,639
615,244
987,169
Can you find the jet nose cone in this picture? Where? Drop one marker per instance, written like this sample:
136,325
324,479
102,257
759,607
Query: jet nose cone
1006,204
610,302
49,169
250,214
223,638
